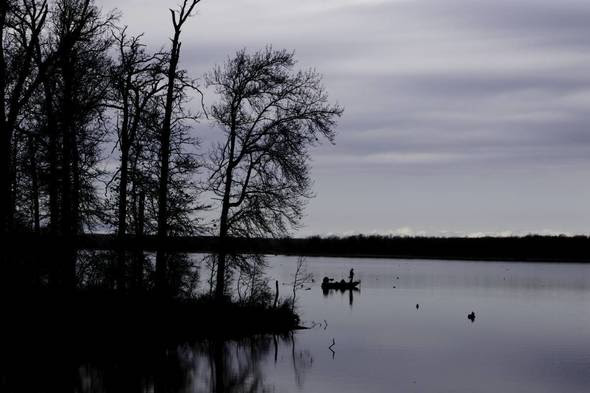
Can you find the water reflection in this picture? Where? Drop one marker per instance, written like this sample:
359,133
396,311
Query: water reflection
213,366
100,345
531,334
349,291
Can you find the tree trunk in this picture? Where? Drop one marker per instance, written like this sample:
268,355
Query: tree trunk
68,210
161,267
125,145
52,146
139,257
76,185
220,285
12,185
223,222
5,176
4,131
34,186
66,157
122,219
122,224
52,156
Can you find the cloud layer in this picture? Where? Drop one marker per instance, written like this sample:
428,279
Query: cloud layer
461,115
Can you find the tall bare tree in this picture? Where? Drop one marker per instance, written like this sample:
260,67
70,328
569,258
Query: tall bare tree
270,116
81,43
179,18
137,80
21,23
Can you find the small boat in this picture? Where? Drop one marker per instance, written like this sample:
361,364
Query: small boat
340,285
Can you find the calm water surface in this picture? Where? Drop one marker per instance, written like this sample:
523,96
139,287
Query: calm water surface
531,332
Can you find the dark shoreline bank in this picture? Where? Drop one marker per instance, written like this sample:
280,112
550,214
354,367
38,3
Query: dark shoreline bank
513,249
108,316
57,287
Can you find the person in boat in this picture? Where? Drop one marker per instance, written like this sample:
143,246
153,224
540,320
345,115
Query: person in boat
351,275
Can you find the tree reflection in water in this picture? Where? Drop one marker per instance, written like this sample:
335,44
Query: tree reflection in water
75,356
209,366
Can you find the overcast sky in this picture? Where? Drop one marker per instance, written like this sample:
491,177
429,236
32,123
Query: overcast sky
461,116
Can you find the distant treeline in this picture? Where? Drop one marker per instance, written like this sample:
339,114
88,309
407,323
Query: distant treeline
527,248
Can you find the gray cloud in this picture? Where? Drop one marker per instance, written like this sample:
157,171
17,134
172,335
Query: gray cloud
461,115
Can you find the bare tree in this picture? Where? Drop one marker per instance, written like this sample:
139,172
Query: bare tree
179,18
46,108
270,116
251,284
21,23
300,278
137,80
26,190
81,40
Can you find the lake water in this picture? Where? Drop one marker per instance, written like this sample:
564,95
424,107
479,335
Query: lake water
531,333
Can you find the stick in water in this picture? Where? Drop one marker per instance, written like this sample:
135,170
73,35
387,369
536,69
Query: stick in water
330,348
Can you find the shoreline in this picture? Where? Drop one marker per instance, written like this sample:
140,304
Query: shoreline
435,258
106,316
534,249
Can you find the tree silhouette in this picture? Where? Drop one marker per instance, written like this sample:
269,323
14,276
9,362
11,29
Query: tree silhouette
21,24
270,116
79,40
174,89
136,82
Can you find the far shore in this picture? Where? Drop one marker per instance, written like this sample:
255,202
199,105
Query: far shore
510,249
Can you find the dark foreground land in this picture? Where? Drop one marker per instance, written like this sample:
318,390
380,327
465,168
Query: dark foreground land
527,248
103,342
100,321
107,317
51,291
